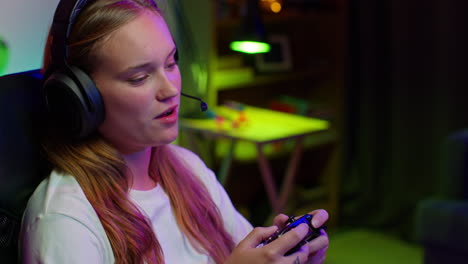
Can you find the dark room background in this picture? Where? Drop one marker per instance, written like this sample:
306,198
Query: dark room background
405,94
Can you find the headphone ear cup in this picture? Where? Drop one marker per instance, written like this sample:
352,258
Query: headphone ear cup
74,102
95,103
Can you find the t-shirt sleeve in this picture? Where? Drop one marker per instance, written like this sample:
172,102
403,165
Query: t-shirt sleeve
234,222
57,238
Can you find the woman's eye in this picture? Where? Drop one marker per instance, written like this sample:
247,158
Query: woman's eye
138,80
172,65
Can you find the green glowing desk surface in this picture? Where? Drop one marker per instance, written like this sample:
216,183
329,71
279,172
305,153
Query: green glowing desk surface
262,125
259,126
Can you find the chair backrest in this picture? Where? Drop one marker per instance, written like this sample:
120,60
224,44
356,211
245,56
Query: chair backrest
22,166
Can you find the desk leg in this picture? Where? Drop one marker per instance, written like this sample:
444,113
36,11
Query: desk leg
291,173
226,164
268,179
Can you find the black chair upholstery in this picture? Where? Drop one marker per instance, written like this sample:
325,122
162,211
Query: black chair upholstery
22,165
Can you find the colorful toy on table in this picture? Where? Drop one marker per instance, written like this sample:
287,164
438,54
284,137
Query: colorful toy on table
235,105
219,122
240,120
210,114
290,105
219,119
232,116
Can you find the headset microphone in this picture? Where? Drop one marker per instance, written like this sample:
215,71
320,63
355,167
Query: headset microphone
203,105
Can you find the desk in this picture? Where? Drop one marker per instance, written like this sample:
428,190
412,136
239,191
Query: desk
262,127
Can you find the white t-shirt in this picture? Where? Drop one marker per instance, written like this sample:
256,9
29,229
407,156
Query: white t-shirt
60,225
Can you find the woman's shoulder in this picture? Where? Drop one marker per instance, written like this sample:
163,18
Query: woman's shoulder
191,159
60,195
195,163
58,220
184,153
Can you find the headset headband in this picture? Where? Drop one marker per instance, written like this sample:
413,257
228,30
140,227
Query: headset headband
65,15
73,100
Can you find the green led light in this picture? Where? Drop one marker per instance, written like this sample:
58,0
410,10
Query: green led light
3,57
250,47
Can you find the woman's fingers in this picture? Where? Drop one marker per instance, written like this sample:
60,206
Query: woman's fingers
320,217
318,257
299,257
289,240
313,252
254,238
319,243
280,220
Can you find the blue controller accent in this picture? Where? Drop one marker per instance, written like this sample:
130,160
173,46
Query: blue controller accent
291,224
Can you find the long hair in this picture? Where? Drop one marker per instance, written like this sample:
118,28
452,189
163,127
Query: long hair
101,171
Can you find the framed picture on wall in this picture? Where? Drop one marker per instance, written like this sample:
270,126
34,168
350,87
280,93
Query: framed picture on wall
279,57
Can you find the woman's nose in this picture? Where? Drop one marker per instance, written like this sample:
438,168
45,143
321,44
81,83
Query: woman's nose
168,89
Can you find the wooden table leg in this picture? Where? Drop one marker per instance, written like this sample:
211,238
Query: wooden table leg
290,175
268,180
226,163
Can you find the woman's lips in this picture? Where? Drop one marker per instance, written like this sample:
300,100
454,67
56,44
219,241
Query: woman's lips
170,115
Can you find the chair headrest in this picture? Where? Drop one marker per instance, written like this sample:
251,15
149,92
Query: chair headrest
22,118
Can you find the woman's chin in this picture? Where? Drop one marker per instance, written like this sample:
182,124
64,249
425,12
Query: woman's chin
166,139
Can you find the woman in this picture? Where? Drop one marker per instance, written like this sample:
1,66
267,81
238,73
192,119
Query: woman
123,194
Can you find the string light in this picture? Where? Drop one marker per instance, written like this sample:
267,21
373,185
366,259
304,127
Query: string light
274,6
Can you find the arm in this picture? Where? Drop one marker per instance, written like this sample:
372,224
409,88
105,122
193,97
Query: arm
247,240
313,252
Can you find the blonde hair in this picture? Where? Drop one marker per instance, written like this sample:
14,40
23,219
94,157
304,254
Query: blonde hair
100,169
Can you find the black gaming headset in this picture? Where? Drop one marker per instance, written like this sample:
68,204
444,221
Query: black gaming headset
74,102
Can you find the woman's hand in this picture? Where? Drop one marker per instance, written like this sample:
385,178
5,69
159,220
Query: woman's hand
317,247
312,252
247,252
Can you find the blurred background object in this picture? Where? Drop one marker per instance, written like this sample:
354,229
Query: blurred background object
24,26
441,219
274,6
3,56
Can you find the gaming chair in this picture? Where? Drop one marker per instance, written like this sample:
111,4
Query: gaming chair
22,166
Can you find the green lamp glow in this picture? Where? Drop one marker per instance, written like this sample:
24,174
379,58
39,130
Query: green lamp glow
3,56
250,37
251,47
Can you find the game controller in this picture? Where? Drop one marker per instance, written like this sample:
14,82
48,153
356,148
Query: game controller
291,224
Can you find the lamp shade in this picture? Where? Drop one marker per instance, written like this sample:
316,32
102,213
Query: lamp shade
251,36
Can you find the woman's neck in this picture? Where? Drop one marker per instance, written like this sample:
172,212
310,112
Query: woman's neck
138,165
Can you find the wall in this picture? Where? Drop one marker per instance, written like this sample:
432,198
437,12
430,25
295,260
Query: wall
24,25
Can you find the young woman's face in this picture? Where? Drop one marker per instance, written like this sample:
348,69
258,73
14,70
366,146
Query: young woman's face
140,83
